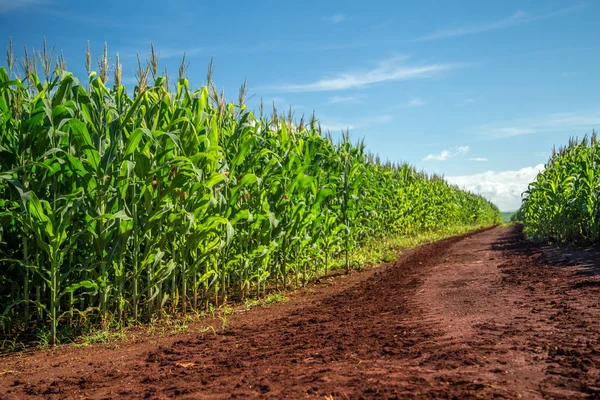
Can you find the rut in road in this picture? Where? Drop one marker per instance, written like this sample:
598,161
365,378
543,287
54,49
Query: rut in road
478,315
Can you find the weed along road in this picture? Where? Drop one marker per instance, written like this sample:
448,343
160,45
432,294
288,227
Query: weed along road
479,315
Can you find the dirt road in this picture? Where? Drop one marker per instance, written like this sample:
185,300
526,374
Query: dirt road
481,315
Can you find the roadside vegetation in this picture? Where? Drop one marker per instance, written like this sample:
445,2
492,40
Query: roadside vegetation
563,204
118,205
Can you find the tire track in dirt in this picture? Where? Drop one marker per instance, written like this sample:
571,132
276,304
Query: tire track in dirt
470,316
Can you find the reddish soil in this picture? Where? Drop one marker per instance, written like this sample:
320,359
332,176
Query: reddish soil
481,315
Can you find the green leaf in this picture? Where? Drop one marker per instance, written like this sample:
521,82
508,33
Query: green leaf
83,284
83,139
133,142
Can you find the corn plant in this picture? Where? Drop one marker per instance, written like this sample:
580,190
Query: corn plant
120,205
563,204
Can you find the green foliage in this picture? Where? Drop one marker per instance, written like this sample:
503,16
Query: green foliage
508,216
563,204
119,207
268,299
517,216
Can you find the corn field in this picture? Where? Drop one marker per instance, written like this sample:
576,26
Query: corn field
117,205
563,204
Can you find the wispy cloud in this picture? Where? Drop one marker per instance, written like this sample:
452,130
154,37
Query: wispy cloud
567,74
336,46
281,104
449,153
165,52
335,125
171,52
414,102
478,159
516,19
466,102
386,23
506,132
346,99
278,101
335,18
7,6
215,49
376,120
76,17
394,69
503,188
571,122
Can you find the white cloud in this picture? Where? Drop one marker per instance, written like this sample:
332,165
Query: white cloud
415,102
130,54
516,19
509,131
387,71
333,125
376,120
572,123
345,99
336,18
335,46
170,52
446,154
82,18
278,101
503,188
7,6
281,104
466,102
479,159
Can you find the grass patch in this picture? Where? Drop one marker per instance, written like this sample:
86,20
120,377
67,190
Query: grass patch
387,249
271,298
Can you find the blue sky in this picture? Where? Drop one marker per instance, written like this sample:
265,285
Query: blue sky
477,91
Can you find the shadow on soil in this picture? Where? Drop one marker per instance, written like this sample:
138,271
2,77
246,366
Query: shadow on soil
583,261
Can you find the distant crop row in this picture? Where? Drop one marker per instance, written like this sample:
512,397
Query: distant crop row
563,204
116,204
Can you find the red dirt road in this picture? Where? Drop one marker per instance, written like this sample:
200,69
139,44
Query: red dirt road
480,315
